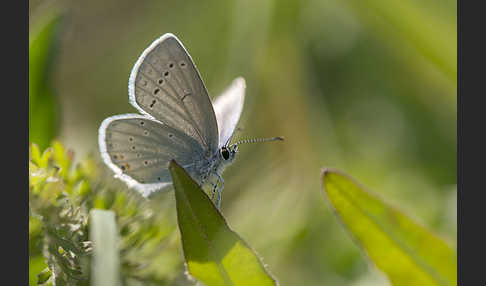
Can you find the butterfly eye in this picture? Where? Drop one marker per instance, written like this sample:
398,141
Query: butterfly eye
225,153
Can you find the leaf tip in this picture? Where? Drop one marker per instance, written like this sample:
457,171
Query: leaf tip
326,171
173,164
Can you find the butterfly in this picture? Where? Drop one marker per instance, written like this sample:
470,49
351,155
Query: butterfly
178,121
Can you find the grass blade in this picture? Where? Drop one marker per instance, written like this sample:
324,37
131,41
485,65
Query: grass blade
105,261
433,35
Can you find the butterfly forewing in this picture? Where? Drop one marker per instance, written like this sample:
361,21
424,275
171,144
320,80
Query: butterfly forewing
141,148
166,85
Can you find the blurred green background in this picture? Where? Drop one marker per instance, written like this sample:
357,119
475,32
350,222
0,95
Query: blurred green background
368,87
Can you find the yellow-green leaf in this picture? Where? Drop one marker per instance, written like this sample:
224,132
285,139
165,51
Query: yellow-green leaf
405,251
41,160
61,158
215,255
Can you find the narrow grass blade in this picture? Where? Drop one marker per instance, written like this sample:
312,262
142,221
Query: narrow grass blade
406,252
433,35
43,102
214,254
104,236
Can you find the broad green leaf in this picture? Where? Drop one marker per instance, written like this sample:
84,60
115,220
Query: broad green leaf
104,236
405,251
43,104
214,253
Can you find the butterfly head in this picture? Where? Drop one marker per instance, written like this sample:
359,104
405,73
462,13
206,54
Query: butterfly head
228,153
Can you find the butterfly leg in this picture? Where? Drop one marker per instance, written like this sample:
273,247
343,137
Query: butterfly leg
220,190
215,187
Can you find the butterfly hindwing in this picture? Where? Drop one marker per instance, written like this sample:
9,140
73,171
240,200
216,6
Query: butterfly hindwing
139,149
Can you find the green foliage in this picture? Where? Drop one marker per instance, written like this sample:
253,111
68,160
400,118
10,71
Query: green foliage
405,251
43,102
63,240
214,253
61,196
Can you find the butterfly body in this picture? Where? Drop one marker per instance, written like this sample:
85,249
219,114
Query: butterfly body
178,121
208,172
207,169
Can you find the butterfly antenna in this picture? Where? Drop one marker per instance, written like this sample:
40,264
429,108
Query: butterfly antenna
239,129
258,140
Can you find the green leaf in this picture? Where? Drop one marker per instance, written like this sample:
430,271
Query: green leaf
44,276
37,266
62,158
104,235
41,160
406,252
214,253
43,103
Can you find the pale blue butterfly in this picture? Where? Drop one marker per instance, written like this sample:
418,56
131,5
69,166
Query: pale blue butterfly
177,121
